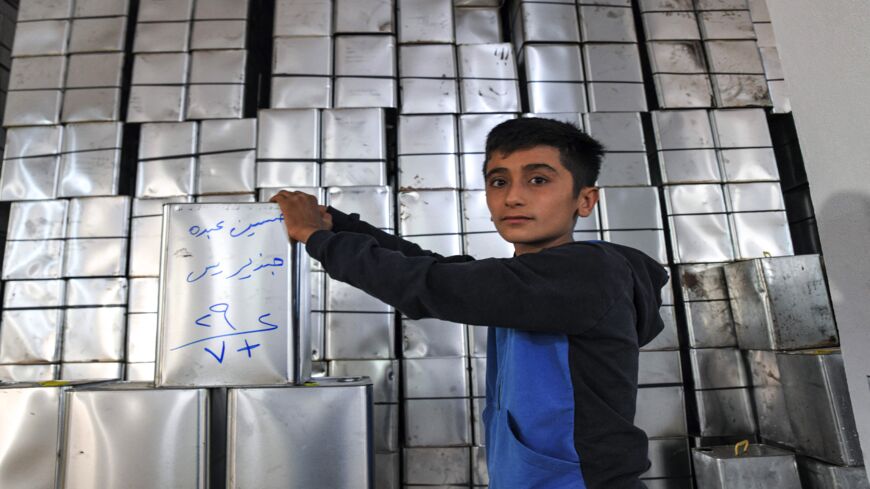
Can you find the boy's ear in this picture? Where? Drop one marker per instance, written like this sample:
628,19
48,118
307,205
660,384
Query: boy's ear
586,201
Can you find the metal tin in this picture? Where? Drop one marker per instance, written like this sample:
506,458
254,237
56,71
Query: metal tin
427,61
33,259
659,367
774,423
703,282
703,238
359,336
162,37
96,292
443,244
154,207
301,92
93,335
677,91
29,336
213,101
553,63
487,245
160,69
245,259
139,372
354,134
748,197
814,384
667,339
682,129
142,295
479,474
220,9
364,16
819,475
731,24
546,97
435,378
542,22
345,174
37,220
422,338
616,97
99,217
612,63
488,61
651,242
23,142
437,422
387,470
761,466
92,136
157,11
630,208
289,134
365,56
718,368
760,234
167,140
227,135
219,34
477,25
247,198
365,92
91,105
734,57
384,375
624,169
478,376
669,457
427,134
616,131
28,373
473,129
386,428
606,24
667,26
725,412
25,294
429,212
173,456
41,38
740,128
156,104
91,371
142,339
303,18
218,66
425,21
165,178
755,164
95,70
226,173
310,56
428,96
766,38
694,199
91,173
41,72
661,411
341,296
476,217
98,35
677,57
32,108
720,5
428,172
689,166
80,257
32,432
772,64
373,204
145,235
52,9
471,171
434,466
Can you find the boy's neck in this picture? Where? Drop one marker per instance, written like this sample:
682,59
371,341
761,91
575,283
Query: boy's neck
524,248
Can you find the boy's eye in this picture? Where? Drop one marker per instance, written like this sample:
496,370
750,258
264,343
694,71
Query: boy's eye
538,180
497,182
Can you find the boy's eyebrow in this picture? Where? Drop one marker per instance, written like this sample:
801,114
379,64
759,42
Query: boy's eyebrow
493,171
528,167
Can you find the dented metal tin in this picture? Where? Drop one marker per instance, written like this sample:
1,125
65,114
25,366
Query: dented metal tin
359,336
437,422
90,173
93,334
30,336
425,21
104,34
725,412
96,292
37,220
760,466
427,134
425,212
354,134
32,430
27,294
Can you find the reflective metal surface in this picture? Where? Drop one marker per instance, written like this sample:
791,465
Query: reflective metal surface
365,56
25,294
129,450
718,368
694,199
306,18
156,103
226,172
90,173
427,134
29,437
659,367
630,208
362,92
30,336
96,292
105,34
93,334
437,171
80,257
437,422
425,21
774,423
344,297
435,378
354,134
384,375
661,411
710,324
310,56
29,179
493,61
819,475
434,466
373,204
99,217
33,259
702,238
290,416
429,212
364,15
432,338
142,340
689,166
760,467
473,129
359,336
725,412
37,220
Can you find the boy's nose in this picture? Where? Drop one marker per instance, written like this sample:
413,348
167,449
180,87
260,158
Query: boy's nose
514,196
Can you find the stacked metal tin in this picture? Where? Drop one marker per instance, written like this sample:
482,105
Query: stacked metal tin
776,85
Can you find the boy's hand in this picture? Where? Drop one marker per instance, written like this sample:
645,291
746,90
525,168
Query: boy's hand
302,215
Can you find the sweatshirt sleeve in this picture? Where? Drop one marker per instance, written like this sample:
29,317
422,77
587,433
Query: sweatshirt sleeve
342,222
564,290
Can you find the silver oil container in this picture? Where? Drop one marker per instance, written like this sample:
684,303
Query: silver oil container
774,422
287,433
814,384
111,441
29,435
233,297
819,475
760,467
780,303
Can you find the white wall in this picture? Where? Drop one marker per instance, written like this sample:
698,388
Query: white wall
825,50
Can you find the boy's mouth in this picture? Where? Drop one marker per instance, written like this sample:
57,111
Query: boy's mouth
515,219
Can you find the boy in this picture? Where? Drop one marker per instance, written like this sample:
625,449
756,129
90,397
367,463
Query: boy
566,318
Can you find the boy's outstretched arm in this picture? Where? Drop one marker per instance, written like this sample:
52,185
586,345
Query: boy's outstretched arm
562,290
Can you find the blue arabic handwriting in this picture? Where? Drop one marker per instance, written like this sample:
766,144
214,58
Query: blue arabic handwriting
261,320
236,234
248,348
207,268
246,265
220,359
197,231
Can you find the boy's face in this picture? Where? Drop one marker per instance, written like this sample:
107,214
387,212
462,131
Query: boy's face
530,196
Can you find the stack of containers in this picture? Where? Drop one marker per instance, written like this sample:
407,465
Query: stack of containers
226,160
302,65
7,38
676,55
364,54
769,56
477,21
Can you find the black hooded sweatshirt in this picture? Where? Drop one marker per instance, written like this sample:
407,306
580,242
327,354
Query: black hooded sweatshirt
604,298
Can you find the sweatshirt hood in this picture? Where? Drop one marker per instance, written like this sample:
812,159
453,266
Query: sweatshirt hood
648,279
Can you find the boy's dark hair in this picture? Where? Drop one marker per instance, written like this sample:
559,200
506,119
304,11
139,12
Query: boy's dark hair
579,153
